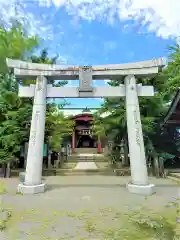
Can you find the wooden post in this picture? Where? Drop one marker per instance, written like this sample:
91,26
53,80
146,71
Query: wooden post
73,142
99,145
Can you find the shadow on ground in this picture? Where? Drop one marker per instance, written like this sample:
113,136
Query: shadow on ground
51,187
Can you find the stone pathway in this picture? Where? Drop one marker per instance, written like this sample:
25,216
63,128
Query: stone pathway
85,166
90,155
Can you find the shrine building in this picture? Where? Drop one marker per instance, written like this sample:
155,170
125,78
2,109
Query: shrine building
83,136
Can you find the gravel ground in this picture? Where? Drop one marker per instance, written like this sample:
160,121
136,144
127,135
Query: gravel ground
73,204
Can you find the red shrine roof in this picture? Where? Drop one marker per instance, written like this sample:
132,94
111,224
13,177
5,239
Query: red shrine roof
83,117
173,114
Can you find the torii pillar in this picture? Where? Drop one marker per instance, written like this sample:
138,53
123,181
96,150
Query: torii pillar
33,177
139,176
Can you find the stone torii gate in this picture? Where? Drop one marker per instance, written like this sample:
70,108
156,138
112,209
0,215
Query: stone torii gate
130,90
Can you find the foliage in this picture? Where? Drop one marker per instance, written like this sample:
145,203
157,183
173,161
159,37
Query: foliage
146,225
58,127
160,142
45,59
13,112
173,70
15,44
13,115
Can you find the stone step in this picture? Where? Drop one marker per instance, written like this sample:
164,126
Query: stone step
176,175
67,172
86,174
86,150
75,158
174,179
76,172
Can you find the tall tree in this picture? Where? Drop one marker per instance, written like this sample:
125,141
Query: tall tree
152,110
13,112
45,59
58,127
15,44
172,71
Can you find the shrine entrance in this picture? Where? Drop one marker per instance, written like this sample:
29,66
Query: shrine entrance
85,141
129,74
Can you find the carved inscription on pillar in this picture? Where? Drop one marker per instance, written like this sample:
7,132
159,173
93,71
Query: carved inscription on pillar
40,83
135,115
85,79
34,131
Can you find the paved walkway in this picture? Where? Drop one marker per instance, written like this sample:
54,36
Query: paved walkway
80,207
86,166
90,155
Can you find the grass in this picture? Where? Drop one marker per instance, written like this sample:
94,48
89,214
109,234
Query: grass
107,224
2,188
103,165
5,214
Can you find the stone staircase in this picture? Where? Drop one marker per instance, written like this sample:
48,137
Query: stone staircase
174,176
88,155
86,150
76,172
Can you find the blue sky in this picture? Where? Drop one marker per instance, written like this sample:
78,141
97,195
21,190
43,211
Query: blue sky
88,32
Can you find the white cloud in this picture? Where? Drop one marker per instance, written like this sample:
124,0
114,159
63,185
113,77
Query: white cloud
161,17
18,10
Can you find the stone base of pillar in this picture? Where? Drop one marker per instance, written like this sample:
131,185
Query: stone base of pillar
24,189
145,190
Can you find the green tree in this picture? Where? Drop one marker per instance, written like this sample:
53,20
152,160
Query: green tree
13,112
58,127
15,44
172,72
13,115
45,59
152,110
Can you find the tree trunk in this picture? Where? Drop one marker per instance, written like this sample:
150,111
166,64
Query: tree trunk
126,158
58,160
8,170
156,167
3,170
25,161
150,166
25,154
49,160
123,160
62,158
161,168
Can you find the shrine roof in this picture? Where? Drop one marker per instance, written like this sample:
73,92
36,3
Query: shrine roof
81,115
173,113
